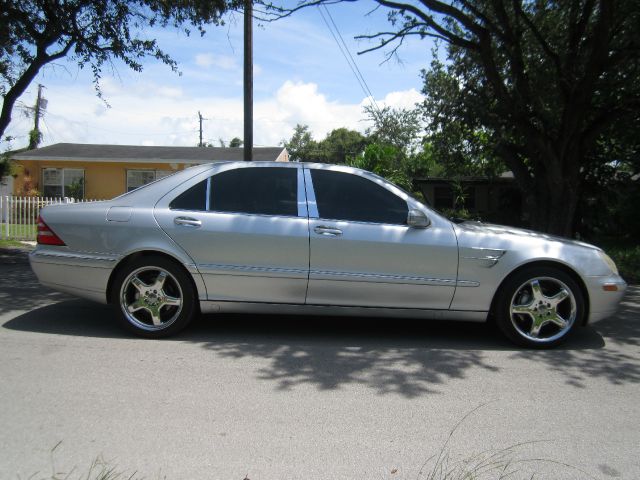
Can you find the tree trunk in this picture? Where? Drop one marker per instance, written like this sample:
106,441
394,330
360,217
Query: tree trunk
552,201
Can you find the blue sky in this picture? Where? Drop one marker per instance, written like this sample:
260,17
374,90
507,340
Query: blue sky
300,77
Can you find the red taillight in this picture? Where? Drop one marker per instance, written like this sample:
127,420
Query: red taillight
46,236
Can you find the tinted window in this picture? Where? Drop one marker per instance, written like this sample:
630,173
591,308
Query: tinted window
192,199
265,191
343,196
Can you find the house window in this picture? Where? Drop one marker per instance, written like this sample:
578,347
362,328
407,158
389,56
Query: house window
63,182
138,178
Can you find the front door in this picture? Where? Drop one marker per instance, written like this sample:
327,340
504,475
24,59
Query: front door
363,253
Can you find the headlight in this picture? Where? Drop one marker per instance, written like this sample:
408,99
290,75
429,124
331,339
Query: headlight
610,263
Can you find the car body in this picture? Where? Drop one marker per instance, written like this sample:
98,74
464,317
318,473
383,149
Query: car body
314,238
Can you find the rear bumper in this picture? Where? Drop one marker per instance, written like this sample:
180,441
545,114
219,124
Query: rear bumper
82,275
605,294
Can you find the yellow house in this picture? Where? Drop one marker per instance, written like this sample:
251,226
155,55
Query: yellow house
105,171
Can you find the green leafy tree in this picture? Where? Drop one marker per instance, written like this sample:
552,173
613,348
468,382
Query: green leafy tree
337,147
387,161
301,146
455,129
540,82
340,145
92,32
543,80
400,127
236,142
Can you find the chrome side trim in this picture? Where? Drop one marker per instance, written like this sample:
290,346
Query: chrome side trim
376,277
220,269
74,256
486,257
292,309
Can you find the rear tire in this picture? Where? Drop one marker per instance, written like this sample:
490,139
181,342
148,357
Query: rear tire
539,307
154,296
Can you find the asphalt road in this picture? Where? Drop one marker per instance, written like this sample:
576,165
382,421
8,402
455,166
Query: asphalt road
306,398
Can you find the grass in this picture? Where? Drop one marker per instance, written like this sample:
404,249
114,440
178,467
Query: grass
491,464
19,230
11,244
99,469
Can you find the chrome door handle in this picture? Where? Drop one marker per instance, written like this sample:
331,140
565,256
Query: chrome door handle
328,231
187,221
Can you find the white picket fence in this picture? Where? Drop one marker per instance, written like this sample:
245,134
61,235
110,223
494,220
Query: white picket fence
18,215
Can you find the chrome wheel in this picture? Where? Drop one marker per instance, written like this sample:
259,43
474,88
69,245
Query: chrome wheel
151,298
543,309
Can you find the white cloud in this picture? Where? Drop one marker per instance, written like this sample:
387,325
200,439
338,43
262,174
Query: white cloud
204,60
170,117
208,60
404,99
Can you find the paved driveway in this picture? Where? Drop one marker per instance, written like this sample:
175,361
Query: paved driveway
308,398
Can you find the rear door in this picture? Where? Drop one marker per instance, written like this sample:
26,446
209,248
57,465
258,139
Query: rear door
363,253
246,228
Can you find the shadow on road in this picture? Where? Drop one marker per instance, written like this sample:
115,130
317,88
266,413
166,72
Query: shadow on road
406,357
19,289
614,362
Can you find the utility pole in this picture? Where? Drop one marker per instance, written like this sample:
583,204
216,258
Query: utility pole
248,80
35,136
200,118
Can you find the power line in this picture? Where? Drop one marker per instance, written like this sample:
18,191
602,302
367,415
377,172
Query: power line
353,60
346,53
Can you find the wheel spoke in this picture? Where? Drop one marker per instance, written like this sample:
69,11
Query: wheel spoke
135,306
139,284
536,289
159,283
155,315
171,301
559,297
536,325
558,320
522,309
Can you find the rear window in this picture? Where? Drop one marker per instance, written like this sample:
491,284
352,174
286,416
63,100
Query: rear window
255,190
193,199
252,190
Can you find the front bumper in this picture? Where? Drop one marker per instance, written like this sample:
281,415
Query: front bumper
605,294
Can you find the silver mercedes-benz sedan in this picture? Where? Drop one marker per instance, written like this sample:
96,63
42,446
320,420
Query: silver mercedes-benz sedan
314,239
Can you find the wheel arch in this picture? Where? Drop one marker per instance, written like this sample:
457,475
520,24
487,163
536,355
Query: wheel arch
546,263
147,253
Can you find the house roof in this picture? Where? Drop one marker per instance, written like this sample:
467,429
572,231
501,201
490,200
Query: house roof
142,154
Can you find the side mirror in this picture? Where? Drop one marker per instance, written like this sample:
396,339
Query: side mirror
417,219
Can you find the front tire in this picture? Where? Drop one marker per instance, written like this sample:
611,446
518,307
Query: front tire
539,307
154,296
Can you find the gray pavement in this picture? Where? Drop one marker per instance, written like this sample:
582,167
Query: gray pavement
268,397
